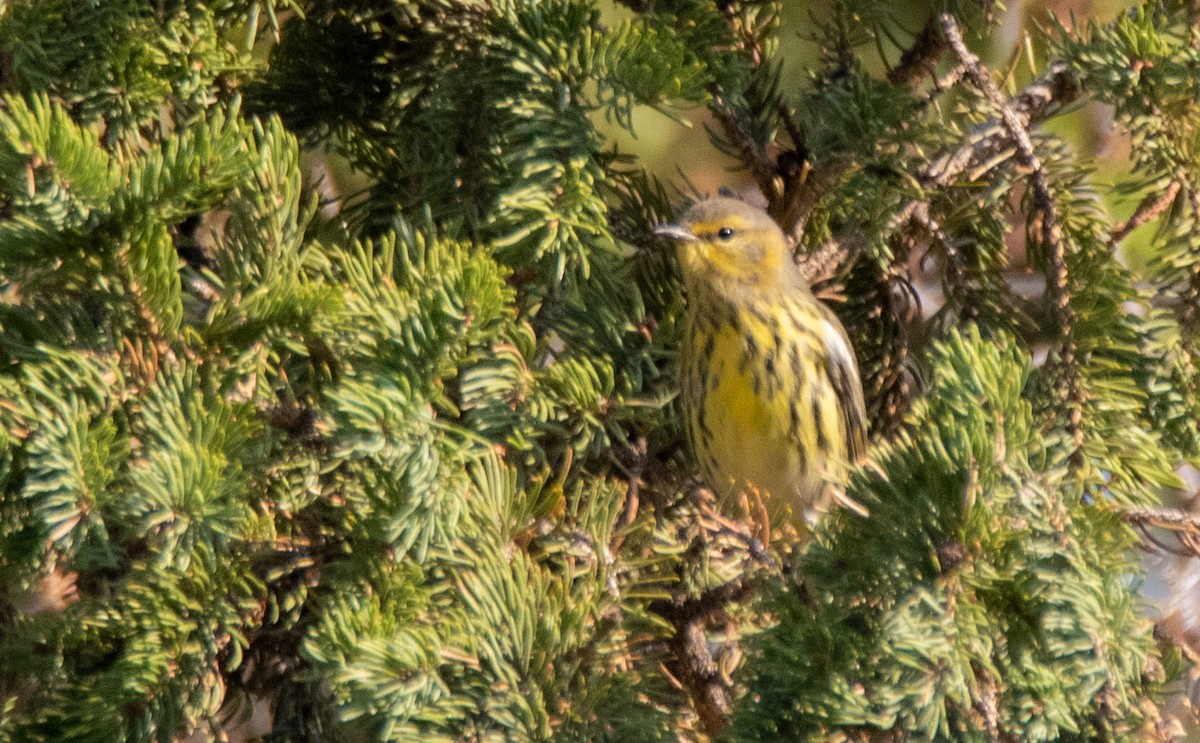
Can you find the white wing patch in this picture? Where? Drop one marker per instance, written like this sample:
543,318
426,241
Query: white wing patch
836,343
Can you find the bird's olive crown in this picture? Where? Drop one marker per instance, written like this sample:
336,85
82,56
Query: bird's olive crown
728,245
726,219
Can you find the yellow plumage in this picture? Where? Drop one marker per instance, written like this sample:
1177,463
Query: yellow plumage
769,382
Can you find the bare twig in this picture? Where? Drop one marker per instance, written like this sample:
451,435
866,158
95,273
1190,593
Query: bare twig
920,58
1149,208
980,151
1037,102
633,464
1184,526
1050,231
737,131
693,663
1034,104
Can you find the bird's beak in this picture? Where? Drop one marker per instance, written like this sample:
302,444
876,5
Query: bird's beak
674,232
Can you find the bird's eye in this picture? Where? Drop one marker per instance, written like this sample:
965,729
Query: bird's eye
725,233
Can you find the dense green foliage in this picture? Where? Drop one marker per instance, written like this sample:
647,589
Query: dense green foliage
403,462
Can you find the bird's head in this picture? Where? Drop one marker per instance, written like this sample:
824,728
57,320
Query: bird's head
729,246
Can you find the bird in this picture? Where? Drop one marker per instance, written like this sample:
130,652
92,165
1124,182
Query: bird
769,383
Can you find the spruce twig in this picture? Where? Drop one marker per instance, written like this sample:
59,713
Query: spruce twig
1050,232
1037,102
1147,209
1182,525
975,155
919,58
692,662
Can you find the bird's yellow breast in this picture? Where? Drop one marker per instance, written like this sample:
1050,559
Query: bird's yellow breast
734,388
751,409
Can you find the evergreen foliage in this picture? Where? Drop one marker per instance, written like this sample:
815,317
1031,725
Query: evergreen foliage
406,465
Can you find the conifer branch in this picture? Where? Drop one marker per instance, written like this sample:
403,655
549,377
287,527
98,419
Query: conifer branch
736,130
955,268
1050,229
802,185
1190,310
1184,526
1147,209
977,154
919,58
693,663
371,494
1036,103
733,121
146,320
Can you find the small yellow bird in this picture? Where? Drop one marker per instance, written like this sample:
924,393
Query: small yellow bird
770,386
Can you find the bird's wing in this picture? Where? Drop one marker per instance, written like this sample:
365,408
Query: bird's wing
843,375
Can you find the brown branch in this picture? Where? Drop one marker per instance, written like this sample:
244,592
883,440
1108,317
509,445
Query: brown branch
708,604
822,264
632,461
793,130
980,151
804,186
1050,232
736,130
701,675
792,186
1183,525
693,663
1149,208
1036,103
920,58
987,705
